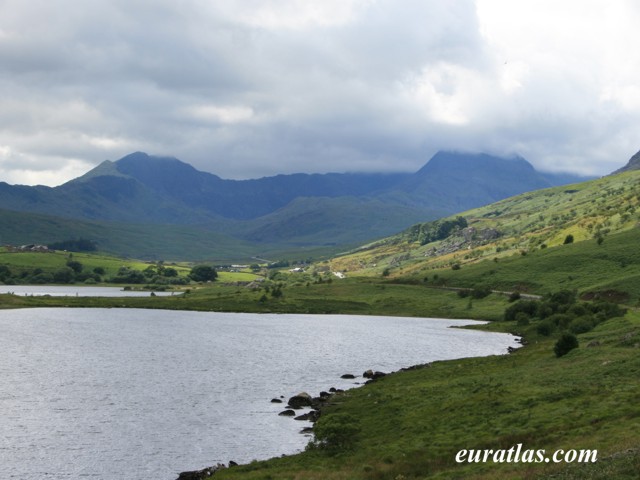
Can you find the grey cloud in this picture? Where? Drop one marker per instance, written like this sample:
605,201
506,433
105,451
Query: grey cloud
206,82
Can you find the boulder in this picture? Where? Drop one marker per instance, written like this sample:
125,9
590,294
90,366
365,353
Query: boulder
348,376
288,413
300,400
276,400
201,474
311,416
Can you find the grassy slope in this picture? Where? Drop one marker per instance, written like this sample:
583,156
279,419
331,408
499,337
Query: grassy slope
611,267
596,208
145,241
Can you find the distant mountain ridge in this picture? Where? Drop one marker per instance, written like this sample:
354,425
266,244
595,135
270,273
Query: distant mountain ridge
296,210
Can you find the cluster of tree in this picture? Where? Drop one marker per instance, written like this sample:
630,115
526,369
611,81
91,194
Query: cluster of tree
76,245
289,263
562,312
72,272
75,272
153,274
203,273
438,230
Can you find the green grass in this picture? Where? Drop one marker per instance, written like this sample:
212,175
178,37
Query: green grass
598,208
347,297
54,260
586,266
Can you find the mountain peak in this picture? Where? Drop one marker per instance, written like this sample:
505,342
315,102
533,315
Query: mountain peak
165,174
138,160
459,162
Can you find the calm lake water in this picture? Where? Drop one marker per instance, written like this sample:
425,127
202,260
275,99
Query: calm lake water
75,291
133,394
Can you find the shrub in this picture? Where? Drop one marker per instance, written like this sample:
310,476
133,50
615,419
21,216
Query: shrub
608,309
335,432
561,320
568,239
581,324
480,292
545,328
127,275
75,266
63,275
514,297
522,319
565,297
530,307
565,344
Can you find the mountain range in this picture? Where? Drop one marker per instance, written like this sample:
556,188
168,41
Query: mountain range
158,194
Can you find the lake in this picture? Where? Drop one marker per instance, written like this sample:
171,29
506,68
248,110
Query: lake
76,291
130,394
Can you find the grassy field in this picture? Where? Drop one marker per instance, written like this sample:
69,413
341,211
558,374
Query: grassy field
347,297
55,260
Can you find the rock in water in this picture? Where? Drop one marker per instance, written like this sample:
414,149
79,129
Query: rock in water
201,474
300,400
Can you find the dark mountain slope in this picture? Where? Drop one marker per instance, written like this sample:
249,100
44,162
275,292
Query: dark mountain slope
633,164
458,181
333,221
298,209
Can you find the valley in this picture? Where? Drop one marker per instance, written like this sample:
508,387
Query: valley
572,248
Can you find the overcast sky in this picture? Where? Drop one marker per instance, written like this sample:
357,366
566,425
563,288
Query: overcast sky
248,88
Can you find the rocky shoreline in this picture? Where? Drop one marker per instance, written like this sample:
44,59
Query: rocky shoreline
304,400
296,402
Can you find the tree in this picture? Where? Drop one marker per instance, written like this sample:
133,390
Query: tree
566,343
63,275
203,273
170,272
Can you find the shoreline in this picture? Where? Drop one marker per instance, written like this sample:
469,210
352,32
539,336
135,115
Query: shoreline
323,400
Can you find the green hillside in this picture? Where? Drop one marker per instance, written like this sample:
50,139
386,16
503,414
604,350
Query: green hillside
334,221
535,223
144,241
